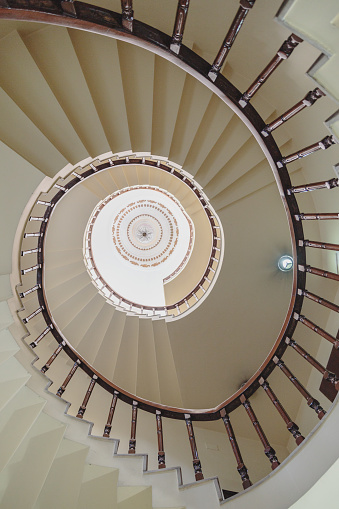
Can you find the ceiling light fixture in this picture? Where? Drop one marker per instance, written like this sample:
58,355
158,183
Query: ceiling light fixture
285,263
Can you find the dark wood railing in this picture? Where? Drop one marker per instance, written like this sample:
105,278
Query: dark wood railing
86,17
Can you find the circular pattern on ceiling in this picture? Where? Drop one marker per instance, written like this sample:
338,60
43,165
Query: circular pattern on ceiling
146,232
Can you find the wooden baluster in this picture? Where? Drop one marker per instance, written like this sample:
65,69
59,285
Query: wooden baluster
282,54
53,357
327,375
319,272
323,144
31,251
319,300
236,451
245,6
179,25
62,388
82,408
318,330
291,426
41,336
324,184
196,461
161,452
319,245
269,451
313,217
309,100
32,315
30,269
4,3
30,290
108,426
69,8
127,16
132,442
312,402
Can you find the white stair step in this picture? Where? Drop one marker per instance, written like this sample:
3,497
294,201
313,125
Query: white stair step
106,358
21,135
147,369
131,175
194,101
98,488
27,87
53,51
13,376
60,276
63,483
169,387
146,175
30,463
137,66
82,316
8,345
91,342
106,181
66,229
213,123
99,60
95,185
58,258
131,497
169,82
67,311
128,356
16,420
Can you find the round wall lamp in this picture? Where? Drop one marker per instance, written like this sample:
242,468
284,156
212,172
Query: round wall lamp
285,263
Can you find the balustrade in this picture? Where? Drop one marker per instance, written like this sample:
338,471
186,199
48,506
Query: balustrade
327,375
320,217
291,426
30,251
316,329
32,315
127,15
41,336
30,290
196,461
312,402
245,6
319,300
324,184
82,408
236,451
319,245
108,425
68,378
36,234
68,8
161,452
318,272
269,451
179,25
323,144
133,441
282,54
52,357
308,100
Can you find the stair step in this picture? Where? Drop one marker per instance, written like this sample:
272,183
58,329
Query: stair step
8,345
63,483
31,463
53,52
16,419
147,369
98,488
137,66
128,356
13,377
28,88
130,497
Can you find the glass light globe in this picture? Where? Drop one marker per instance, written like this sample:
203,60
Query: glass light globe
285,263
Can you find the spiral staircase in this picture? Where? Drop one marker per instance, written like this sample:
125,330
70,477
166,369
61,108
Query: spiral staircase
85,382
